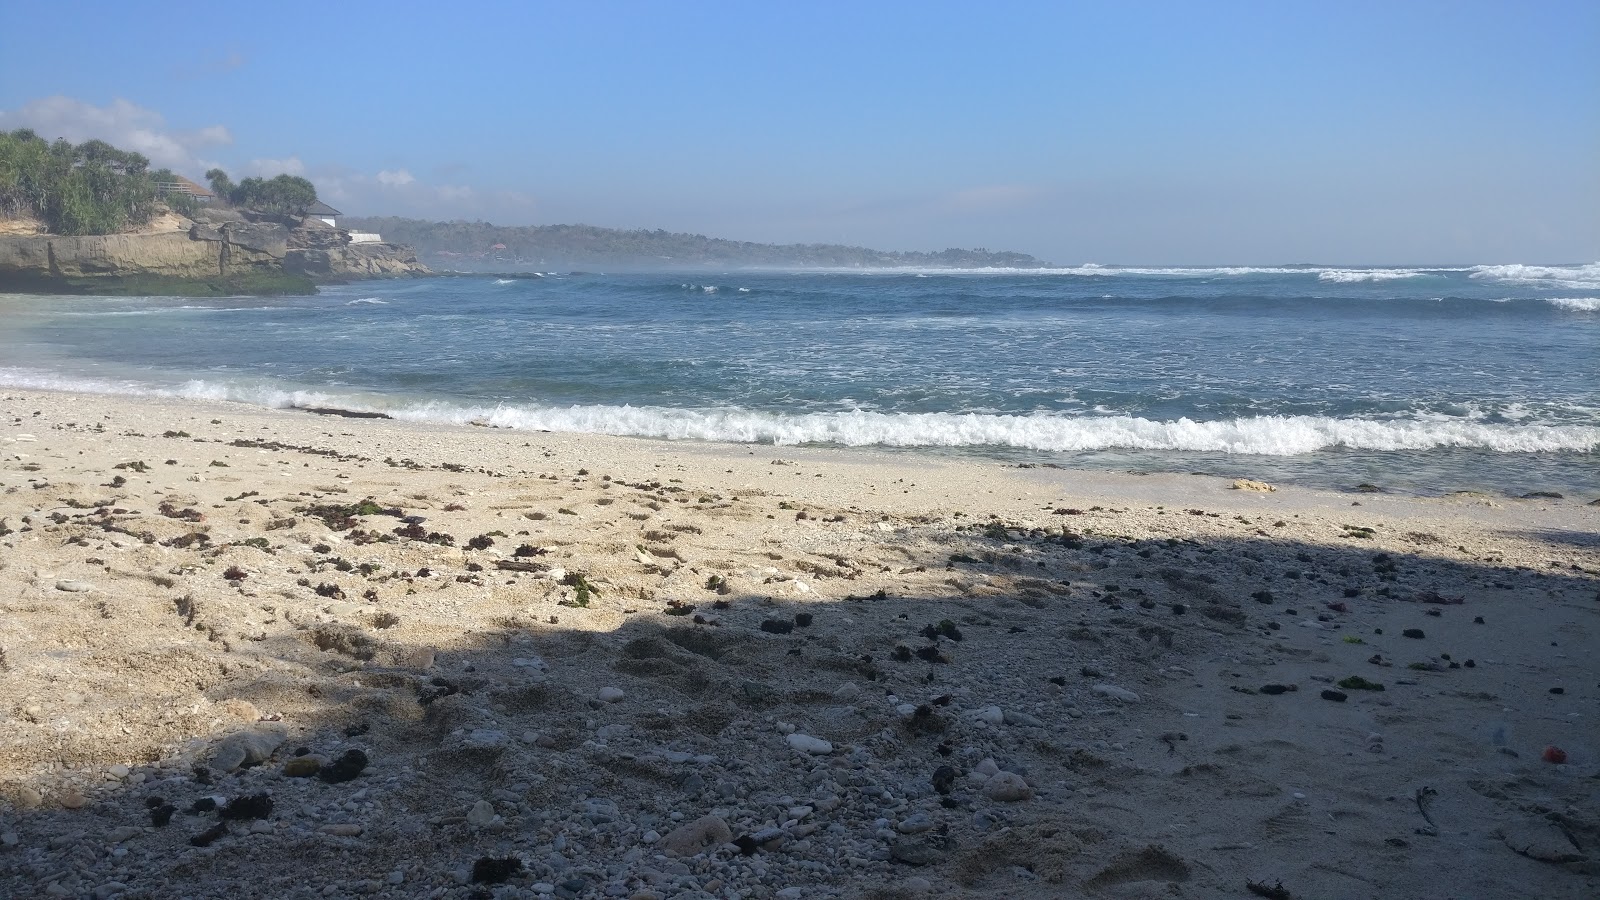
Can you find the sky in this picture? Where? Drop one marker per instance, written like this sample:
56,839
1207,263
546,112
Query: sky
1128,132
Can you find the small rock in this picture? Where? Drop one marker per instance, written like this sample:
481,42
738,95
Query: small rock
118,771
1012,717
610,695
1116,693
696,837
916,851
805,743
125,833
395,877
247,748
1007,787
341,830
28,798
109,889
847,691
481,814
917,885
1335,696
1247,484
991,714
73,800
916,823
74,587
303,766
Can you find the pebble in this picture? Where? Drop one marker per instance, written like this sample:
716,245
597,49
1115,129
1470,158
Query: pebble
805,743
1116,693
847,691
126,832
110,889
916,823
395,877
119,771
610,694
28,798
1012,717
991,714
74,587
9,839
481,814
341,830
73,800
1007,787
696,837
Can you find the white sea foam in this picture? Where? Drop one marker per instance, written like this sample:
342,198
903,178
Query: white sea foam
1577,304
505,281
1570,277
368,300
1353,276
1266,435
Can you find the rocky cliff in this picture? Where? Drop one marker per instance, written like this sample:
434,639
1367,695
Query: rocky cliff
224,250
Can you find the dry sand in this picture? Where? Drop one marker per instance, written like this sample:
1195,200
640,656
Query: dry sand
1136,704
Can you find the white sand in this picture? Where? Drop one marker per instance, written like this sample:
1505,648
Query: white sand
122,648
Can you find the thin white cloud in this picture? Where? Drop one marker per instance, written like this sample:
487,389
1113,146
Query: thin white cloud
268,168
119,123
396,178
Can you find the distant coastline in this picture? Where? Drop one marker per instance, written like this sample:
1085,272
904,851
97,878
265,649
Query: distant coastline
483,247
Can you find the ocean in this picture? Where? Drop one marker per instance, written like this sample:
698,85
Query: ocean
1415,380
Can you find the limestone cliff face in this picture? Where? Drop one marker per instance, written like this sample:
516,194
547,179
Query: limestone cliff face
355,261
223,246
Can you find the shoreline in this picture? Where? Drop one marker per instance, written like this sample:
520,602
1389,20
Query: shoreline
582,645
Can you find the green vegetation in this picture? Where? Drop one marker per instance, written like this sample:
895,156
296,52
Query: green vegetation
471,246
94,188
283,195
87,188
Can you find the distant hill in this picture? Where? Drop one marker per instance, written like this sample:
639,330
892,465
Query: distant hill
481,246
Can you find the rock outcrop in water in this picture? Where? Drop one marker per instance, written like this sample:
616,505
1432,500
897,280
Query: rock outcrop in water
223,251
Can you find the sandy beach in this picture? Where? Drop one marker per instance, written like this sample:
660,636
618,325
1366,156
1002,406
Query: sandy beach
273,653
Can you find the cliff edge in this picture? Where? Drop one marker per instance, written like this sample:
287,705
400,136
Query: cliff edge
219,252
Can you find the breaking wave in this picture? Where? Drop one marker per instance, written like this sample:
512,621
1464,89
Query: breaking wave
1577,304
1571,277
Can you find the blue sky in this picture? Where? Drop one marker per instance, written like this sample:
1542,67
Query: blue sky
1115,132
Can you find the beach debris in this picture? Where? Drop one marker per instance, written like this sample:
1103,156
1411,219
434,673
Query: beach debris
346,768
1415,634
253,806
205,838
1335,696
1357,683
1423,796
1274,891
1248,484
776,626
489,870
1272,690
1554,754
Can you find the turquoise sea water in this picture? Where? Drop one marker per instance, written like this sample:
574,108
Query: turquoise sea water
1424,380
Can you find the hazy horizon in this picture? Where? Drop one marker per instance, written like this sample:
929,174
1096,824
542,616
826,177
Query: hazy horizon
1425,134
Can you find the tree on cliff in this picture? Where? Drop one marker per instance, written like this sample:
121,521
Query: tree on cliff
283,195
221,184
87,188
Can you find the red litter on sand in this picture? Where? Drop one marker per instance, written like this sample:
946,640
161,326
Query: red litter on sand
1554,754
